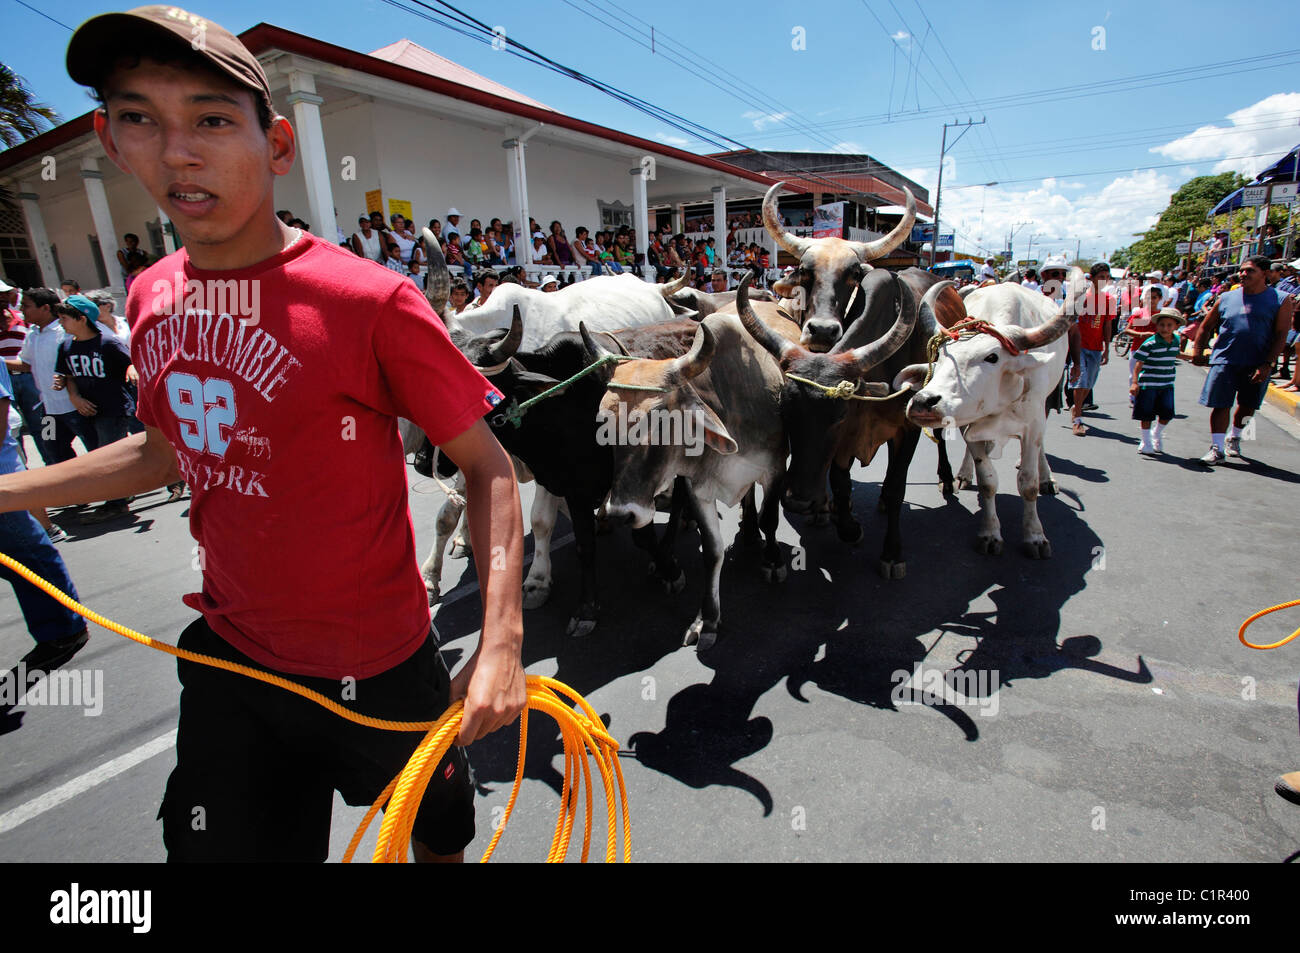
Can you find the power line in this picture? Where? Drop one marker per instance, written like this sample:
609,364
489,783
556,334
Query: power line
43,14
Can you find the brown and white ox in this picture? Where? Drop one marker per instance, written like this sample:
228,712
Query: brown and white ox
995,392
728,388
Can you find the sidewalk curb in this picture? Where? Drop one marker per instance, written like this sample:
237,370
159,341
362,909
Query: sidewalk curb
1286,402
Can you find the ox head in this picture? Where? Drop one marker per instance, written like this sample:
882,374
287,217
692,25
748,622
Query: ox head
977,377
652,416
817,400
828,273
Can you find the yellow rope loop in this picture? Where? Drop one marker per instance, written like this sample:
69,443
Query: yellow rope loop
582,732
843,390
1241,632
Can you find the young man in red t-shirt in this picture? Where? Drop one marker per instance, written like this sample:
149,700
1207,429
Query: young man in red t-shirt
280,412
1096,316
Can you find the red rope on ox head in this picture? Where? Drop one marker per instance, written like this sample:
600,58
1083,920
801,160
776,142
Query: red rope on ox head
978,326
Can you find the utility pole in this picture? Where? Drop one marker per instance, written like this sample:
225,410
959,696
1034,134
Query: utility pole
938,189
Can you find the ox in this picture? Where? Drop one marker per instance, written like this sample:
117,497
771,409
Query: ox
994,382
821,288
603,303
729,387
836,405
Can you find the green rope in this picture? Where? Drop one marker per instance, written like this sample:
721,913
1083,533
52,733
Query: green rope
515,412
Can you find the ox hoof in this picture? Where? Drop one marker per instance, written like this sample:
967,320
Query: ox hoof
460,549
988,545
535,595
890,570
1048,488
672,586
849,532
963,483
693,633
579,627
1038,550
775,573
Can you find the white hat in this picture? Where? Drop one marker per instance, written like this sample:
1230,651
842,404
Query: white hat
538,235
453,211
548,279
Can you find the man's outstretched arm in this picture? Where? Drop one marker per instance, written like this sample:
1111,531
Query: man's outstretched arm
492,681
125,467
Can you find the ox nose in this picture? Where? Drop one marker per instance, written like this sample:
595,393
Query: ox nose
820,333
926,399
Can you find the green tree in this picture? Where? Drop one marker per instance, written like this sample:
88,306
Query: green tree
1186,212
21,116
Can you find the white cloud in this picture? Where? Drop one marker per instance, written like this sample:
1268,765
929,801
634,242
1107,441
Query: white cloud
1098,215
671,140
900,36
849,147
762,120
1268,129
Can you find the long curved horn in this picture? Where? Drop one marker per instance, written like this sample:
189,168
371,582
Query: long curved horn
1049,331
869,251
772,342
931,300
879,350
696,360
772,222
437,283
677,284
505,349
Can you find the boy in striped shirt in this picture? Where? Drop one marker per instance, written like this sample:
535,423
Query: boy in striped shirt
1152,384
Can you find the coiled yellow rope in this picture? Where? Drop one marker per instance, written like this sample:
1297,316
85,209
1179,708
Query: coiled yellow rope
582,731
1241,632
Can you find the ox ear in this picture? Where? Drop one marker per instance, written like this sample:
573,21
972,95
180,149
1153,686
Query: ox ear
716,435
533,379
911,377
1011,388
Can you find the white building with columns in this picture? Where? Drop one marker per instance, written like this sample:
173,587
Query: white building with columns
401,121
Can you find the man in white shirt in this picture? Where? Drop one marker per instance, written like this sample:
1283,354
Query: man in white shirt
453,222
40,348
988,271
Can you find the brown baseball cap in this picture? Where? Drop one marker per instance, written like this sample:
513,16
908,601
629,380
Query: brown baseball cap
95,42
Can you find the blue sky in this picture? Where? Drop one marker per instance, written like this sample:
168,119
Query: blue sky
880,76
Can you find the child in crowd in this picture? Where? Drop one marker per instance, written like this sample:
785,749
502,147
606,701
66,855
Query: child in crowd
1152,383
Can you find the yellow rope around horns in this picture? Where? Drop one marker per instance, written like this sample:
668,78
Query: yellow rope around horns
1241,632
582,731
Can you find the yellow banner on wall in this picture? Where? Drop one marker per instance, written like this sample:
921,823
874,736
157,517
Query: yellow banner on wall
399,207
375,201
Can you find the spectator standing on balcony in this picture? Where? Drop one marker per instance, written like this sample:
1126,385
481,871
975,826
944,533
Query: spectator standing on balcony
400,232
557,246
365,240
453,222
586,249
132,258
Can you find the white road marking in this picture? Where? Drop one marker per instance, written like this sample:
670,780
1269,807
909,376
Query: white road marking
79,785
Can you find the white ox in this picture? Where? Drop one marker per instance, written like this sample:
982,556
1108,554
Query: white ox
994,395
604,303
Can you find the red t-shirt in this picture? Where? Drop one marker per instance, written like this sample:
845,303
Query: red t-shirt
284,428
1093,319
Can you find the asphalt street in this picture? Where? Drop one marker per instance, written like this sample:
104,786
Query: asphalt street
1107,711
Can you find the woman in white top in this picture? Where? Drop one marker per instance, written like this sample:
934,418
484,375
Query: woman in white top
405,238
110,322
365,241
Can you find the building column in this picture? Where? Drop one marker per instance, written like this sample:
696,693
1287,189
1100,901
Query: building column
517,175
40,239
679,218
93,180
641,218
311,148
720,226
165,223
